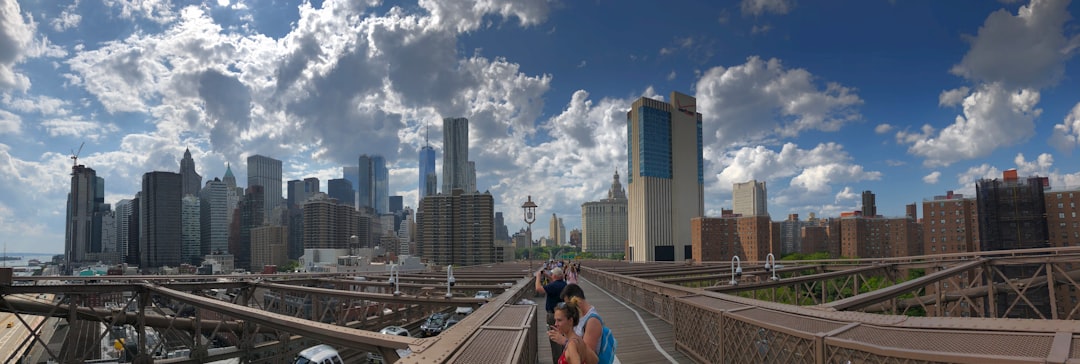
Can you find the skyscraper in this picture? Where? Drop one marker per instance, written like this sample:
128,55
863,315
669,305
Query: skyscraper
750,198
603,223
266,172
85,206
470,178
457,229
123,227
665,177
251,216
191,230
192,180
329,224
214,218
455,154
160,221
351,174
341,190
553,230
427,171
233,192
869,204
299,191
381,195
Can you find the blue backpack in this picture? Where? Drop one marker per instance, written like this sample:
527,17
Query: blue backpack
608,344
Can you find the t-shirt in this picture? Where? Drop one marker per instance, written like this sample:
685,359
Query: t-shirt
553,290
580,328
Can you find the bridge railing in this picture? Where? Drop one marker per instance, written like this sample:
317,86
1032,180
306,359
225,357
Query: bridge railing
717,328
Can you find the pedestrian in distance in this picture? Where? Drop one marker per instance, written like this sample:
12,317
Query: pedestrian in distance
553,291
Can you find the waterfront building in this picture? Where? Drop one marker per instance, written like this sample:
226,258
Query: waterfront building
665,177
160,221
85,206
604,223
455,167
265,171
191,179
750,198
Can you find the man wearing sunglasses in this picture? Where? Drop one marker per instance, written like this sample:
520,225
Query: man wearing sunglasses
553,291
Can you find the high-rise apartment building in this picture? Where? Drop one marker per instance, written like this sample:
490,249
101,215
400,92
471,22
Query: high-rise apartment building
268,246
868,237
329,224
470,178
214,218
950,224
85,206
666,178
457,228
720,238
191,230
869,204
160,221
750,198
455,167
790,239
427,172
266,172
192,180
604,222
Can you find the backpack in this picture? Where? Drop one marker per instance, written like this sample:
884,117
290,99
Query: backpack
608,344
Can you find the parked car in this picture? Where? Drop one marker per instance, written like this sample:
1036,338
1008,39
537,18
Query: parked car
434,324
319,354
390,330
484,295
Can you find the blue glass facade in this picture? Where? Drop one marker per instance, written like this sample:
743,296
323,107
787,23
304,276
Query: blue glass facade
427,168
654,142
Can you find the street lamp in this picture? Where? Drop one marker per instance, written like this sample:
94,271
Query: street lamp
771,267
353,242
449,280
736,270
529,209
395,278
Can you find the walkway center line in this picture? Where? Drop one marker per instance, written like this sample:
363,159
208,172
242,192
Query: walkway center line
655,343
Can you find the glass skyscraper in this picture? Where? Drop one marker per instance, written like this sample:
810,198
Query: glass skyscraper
374,180
666,177
427,171
455,167
266,172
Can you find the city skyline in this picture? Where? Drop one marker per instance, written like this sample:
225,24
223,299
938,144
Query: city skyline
821,101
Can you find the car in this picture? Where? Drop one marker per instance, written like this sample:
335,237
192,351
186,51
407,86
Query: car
390,330
434,324
395,330
319,354
483,294
452,320
463,310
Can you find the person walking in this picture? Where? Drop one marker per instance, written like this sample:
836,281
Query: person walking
574,349
553,291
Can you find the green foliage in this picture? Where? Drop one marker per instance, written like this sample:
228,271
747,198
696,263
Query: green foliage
289,267
801,256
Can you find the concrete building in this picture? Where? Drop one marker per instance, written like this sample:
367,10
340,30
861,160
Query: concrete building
455,167
867,237
123,227
191,179
341,190
869,204
457,228
950,224
266,172
329,224
269,246
665,177
720,238
84,207
351,174
300,190
213,216
750,198
160,222
250,216
554,229
604,223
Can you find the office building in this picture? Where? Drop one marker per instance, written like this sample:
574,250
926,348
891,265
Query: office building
374,182
266,172
341,190
352,174
300,190
191,230
192,180
750,198
160,221
470,178
123,228
455,167
604,223
268,246
869,204
502,233
553,230
214,218
250,216
665,177
85,207
457,228
427,172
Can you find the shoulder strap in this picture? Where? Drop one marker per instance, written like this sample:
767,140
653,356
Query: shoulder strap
593,314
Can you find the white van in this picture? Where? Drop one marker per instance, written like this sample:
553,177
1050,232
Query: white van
319,354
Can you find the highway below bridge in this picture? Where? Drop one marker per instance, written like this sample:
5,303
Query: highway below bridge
1002,306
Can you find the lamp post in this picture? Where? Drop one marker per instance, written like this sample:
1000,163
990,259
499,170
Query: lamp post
771,267
395,278
449,280
529,210
353,242
736,270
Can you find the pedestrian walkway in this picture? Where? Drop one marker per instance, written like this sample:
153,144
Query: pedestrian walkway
643,338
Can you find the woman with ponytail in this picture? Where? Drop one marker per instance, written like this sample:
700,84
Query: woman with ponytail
590,327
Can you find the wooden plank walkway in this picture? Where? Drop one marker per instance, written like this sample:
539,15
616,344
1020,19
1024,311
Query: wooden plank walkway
635,345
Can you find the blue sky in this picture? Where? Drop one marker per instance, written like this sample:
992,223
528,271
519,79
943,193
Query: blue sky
821,100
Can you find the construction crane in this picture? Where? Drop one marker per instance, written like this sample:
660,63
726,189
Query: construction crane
75,156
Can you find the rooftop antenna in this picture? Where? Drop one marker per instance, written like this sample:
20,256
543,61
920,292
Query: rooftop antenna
75,156
427,130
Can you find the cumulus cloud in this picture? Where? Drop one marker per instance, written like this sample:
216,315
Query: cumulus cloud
16,35
69,18
759,7
1025,50
159,11
932,178
759,99
993,117
953,97
10,123
1067,134
76,127
883,128
467,15
1042,166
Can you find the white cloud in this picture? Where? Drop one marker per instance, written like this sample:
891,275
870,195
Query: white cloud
672,75
69,18
16,36
883,128
750,102
45,105
10,123
993,117
760,29
467,15
582,64
1026,50
846,195
953,97
76,127
159,11
932,178
1067,134
759,7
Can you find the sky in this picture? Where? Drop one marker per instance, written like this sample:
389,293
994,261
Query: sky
821,100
